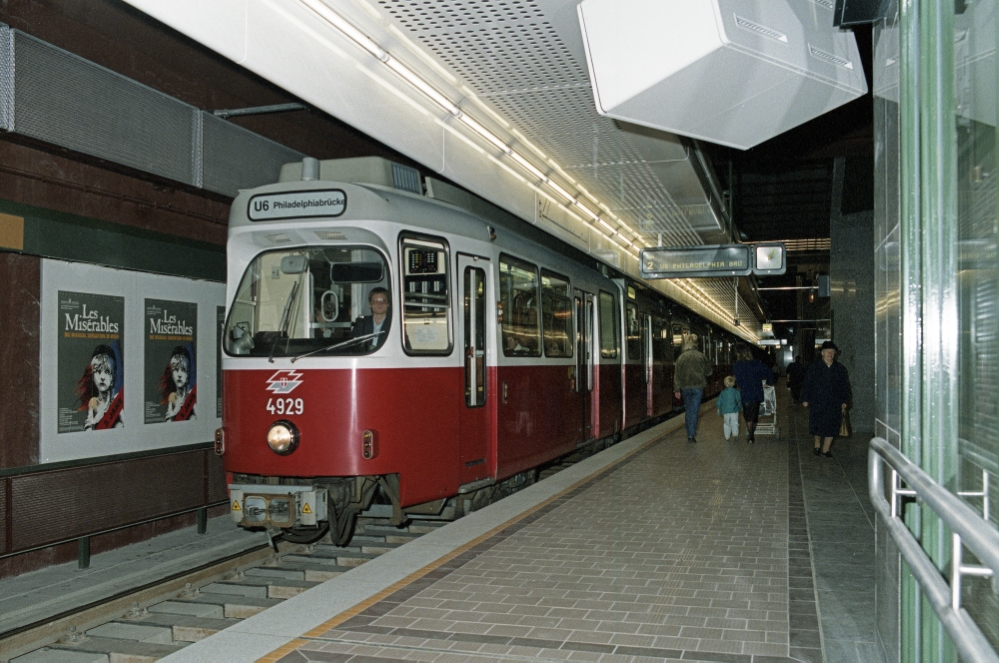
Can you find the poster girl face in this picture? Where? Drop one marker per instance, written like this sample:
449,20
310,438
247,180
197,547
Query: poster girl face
179,371
103,373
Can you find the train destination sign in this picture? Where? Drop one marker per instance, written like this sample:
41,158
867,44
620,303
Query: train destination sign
296,205
663,262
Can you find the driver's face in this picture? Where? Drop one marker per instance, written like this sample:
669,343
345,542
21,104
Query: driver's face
379,303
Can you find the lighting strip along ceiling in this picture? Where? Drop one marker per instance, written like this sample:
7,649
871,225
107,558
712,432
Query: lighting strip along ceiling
615,229
630,244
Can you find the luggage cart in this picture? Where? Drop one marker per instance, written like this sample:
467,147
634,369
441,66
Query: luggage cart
768,408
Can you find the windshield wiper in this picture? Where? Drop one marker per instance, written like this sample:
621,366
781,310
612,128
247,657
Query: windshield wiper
285,319
341,344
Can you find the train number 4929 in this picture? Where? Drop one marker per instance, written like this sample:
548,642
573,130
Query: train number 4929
285,405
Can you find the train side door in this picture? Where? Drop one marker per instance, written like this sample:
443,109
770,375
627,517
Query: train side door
476,411
583,302
648,364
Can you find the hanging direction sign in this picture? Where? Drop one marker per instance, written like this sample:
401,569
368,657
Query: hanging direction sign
663,262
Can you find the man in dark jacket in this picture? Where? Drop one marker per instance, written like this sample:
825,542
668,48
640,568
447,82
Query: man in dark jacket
750,374
376,323
690,377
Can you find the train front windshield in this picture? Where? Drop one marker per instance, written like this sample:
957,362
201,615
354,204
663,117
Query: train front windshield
318,300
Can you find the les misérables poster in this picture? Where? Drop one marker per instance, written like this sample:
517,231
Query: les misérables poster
171,378
90,361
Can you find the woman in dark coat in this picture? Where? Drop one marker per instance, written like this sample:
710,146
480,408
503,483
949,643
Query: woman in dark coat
826,394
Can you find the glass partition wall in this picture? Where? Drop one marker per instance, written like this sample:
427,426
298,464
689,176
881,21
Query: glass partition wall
937,316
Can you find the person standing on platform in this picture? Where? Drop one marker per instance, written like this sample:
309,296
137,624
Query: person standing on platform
826,394
795,376
690,377
729,405
750,374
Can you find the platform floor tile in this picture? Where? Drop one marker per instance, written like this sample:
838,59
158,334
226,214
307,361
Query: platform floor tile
682,552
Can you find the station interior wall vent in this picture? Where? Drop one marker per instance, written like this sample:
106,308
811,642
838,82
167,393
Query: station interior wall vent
59,98
361,170
732,72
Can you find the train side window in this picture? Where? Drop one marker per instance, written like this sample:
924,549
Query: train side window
426,300
475,336
519,298
660,341
634,331
608,326
556,314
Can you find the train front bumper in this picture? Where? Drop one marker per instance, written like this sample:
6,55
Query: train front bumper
254,505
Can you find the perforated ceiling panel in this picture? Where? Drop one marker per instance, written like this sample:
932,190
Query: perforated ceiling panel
433,15
512,55
514,59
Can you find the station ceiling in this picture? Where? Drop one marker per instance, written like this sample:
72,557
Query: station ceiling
519,63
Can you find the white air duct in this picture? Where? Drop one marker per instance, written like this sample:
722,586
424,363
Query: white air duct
733,72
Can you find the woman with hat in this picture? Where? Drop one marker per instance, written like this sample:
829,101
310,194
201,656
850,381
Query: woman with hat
826,394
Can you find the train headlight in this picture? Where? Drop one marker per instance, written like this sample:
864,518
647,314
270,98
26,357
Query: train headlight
282,437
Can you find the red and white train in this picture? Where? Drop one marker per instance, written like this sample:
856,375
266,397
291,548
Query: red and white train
502,350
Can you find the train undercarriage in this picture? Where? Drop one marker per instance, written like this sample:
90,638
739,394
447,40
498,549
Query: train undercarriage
306,510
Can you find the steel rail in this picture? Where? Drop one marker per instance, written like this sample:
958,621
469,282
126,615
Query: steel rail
975,533
50,628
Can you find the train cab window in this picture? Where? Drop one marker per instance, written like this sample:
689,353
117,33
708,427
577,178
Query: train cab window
519,298
556,315
426,301
608,326
311,300
634,330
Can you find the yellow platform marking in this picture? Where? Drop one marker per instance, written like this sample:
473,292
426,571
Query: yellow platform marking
279,653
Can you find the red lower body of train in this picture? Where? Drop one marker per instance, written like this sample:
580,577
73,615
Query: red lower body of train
406,437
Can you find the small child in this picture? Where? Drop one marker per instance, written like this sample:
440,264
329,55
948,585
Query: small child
729,404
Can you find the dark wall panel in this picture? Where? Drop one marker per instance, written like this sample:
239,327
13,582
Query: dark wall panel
3,510
50,506
19,352
33,176
216,478
63,236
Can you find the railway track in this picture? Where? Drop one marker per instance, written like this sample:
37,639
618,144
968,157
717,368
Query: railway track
152,622
155,621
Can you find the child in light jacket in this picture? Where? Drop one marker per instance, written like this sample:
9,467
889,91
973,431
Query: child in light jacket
729,405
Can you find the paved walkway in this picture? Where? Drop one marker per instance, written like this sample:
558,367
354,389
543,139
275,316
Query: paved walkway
680,552
841,531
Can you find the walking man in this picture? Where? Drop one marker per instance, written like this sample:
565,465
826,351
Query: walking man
690,377
750,374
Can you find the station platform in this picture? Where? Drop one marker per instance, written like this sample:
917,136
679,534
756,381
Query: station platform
652,550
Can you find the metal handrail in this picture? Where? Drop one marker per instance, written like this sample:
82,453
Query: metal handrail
969,530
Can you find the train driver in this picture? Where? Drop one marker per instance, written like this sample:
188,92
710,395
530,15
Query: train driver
378,322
